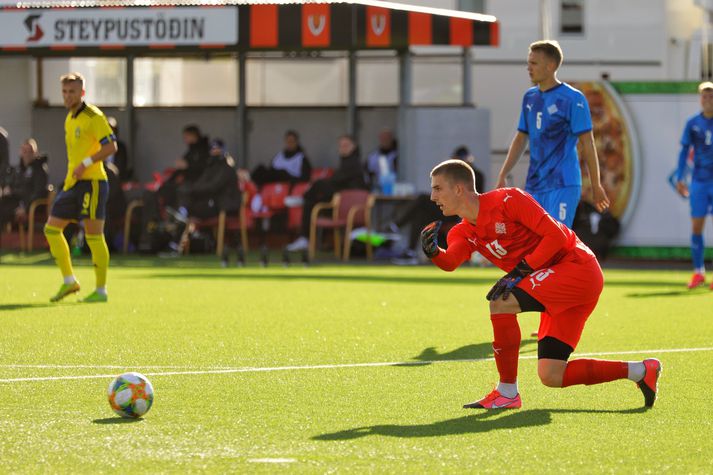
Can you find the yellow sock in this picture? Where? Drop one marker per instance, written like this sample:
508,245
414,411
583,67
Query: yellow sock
100,257
59,249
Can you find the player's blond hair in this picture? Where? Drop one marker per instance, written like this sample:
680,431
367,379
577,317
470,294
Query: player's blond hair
32,143
705,86
550,48
456,171
72,77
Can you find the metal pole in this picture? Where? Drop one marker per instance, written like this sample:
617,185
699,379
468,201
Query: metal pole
405,86
351,93
40,101
545,27
467,77
130,118
242,110
705,49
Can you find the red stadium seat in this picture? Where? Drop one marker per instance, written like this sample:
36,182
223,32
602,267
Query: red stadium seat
272,196
294,214
238,221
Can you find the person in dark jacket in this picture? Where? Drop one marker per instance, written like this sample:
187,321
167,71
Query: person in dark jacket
349,175
115,207
595,229
422,210
4,150
121,158
188,168
197,157
25,183
291,164
217,188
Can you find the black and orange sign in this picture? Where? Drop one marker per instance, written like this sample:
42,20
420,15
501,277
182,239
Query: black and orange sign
378,26
315,25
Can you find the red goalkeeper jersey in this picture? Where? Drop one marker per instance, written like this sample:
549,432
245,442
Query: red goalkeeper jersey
512,226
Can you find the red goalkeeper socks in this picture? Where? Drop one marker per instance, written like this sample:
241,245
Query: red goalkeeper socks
506,345
591,371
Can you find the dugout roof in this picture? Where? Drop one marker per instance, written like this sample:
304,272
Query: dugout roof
119,27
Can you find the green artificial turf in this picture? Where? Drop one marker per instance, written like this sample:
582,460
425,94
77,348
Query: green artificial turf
387,418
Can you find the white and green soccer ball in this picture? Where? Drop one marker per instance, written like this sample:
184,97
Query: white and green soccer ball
130,395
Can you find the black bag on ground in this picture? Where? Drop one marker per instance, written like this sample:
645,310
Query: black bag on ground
596,230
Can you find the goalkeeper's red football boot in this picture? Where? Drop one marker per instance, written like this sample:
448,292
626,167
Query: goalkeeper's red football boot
495,400
650,384
696,281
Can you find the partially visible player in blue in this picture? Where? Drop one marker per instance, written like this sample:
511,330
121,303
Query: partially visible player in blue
698,135
554,117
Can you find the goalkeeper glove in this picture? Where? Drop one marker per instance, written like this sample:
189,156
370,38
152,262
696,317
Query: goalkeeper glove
504,286
429,239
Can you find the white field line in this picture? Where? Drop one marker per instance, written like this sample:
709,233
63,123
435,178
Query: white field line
347,365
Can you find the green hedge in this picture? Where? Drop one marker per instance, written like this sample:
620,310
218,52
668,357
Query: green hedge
657,253
662,87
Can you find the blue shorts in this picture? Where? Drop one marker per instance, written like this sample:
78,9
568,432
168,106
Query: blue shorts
85,200
561,204
701,196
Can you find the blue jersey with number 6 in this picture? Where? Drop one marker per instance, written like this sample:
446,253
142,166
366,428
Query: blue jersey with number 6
554,119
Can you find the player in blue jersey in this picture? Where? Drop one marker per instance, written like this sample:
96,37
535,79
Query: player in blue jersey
698,135
554,117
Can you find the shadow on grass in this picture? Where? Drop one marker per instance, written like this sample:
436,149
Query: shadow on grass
23,306
440,279
478,351
671,293
472,424
362,277
117,420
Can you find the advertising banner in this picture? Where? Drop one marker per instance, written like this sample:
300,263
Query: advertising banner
129,27
617,146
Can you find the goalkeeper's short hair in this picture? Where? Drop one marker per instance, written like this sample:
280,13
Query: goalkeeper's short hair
456,171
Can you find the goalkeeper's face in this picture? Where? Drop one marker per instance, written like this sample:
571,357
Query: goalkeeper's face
446,194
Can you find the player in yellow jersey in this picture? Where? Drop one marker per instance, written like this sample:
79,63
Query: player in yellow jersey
90,140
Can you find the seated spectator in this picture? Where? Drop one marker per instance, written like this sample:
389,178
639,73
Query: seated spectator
422,210
188,168
214,191
4,150
291,164
121,158
349,175
462,153
196,158
596,230
217,188
24,183
115,208
382,164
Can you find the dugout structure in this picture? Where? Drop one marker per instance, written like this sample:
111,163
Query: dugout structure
131,29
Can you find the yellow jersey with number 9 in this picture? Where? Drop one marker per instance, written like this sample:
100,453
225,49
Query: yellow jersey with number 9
85,132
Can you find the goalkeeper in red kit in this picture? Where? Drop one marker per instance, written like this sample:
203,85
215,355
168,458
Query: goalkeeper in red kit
549,270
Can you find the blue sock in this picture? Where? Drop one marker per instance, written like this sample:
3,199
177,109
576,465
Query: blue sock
697,251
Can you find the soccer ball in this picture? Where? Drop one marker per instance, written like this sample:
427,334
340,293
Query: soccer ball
130,395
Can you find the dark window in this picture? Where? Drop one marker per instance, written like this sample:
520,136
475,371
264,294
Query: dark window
475,6
572,17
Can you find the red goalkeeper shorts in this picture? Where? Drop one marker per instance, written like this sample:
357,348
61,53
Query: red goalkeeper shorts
569,291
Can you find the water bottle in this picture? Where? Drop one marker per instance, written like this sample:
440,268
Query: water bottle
386,177
387,184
